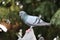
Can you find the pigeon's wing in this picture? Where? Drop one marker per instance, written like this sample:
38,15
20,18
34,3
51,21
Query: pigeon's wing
42,24
31,19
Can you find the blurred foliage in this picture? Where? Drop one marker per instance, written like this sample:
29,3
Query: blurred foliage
9,10
28,1
3,12
8,35
56,19
46,8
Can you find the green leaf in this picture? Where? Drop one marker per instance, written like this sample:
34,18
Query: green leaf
28,1
56,18
3,12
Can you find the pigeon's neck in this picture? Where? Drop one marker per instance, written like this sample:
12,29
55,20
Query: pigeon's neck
24,17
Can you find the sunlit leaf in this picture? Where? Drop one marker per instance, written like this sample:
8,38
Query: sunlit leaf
56,18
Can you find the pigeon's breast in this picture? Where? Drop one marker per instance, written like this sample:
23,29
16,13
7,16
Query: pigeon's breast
31,19
24,17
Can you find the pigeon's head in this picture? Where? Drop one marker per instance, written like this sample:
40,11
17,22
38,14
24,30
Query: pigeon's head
22,13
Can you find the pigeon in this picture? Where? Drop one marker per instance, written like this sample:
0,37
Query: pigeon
32,20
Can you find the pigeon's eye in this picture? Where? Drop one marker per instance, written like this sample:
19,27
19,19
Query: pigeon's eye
22,13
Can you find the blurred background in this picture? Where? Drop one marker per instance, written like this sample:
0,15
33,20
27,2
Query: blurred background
49,9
